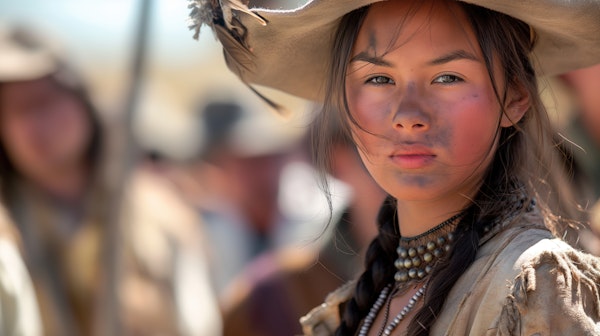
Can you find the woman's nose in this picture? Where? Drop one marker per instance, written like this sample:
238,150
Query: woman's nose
409,115
411,121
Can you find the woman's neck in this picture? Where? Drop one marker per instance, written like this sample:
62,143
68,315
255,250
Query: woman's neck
416,217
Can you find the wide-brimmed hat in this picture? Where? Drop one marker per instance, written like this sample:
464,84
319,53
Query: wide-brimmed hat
26,55
289,48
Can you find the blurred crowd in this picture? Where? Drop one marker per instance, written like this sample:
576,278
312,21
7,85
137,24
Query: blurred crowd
236,239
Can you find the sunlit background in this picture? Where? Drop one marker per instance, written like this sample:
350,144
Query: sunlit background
99,37
102,38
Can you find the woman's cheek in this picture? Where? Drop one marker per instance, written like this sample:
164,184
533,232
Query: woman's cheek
354,99
368,111
479,121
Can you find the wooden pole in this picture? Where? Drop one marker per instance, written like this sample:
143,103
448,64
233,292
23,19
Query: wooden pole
124,149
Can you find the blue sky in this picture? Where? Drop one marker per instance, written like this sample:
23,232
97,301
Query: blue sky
98,29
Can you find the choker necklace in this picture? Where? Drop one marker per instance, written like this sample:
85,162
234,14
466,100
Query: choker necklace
418,255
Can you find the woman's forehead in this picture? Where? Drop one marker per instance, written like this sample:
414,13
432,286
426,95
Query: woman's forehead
391,24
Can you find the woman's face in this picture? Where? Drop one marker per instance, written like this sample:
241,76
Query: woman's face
43,127
418,88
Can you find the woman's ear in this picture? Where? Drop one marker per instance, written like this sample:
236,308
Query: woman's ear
517,104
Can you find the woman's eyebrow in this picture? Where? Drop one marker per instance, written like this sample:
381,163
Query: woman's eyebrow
380,61
366,57
453,56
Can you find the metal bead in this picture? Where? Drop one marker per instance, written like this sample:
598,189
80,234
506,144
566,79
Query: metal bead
531,205
447,248
421,249
428,269
399,263
427,257
421,274
441,241
401,276
431,246
412,273
412,252
408,263
451,237
438,252
402,252
416,261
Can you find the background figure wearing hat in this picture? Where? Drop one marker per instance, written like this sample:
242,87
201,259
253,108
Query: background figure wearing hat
278,288
54,177
441,100
258,192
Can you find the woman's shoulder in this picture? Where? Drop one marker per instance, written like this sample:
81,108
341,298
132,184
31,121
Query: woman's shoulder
525,281
556,291
517,243
526,243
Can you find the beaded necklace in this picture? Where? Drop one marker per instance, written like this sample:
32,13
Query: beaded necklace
418,256
381,300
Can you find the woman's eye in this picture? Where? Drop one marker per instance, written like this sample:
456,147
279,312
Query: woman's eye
380,80
447,79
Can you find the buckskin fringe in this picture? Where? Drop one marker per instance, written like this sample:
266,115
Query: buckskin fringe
575,276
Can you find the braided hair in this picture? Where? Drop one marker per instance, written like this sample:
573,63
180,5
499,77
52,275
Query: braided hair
380,255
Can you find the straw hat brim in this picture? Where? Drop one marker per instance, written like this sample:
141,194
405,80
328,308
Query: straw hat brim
289,50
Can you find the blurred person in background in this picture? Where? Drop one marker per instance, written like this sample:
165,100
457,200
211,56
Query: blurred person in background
54,184
584,128
278,288
584,132
258,192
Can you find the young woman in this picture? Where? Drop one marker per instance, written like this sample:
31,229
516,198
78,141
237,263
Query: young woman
441,100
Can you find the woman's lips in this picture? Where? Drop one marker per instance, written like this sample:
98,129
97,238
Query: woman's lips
412,159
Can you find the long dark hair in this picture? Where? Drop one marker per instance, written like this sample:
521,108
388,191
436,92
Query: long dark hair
525,153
